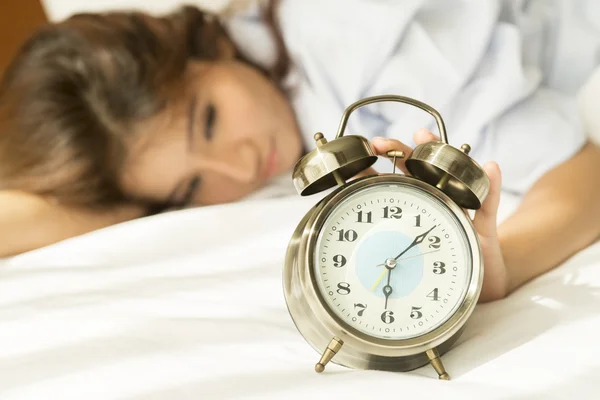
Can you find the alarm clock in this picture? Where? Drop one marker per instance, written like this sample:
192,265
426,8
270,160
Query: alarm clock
384,271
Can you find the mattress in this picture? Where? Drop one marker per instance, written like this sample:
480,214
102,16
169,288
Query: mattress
189,305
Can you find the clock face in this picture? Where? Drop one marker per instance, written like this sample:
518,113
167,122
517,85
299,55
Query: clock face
392,261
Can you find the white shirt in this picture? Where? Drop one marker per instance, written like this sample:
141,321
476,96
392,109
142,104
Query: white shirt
490,67
503,73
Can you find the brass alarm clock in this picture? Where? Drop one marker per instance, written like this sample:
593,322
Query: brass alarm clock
384,272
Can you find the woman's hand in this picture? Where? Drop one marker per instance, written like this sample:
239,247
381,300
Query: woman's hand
496,280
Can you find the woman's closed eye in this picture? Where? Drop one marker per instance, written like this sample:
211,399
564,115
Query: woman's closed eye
183,194
211,115
190,191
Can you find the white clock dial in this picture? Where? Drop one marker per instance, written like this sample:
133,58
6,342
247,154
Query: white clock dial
392,261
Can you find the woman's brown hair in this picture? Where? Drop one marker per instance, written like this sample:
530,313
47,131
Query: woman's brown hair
69,99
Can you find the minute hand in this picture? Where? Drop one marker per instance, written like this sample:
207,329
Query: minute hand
415,242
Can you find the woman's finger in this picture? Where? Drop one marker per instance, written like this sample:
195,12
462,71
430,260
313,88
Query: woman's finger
383,145
485,218
423,136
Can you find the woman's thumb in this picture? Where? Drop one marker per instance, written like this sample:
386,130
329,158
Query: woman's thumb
485,217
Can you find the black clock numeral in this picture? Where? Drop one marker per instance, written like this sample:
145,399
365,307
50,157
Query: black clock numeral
349,235
434,242
343,288
392,212
361,308
415,313
388,317
439,268
434,295
418,220
339,261
367,216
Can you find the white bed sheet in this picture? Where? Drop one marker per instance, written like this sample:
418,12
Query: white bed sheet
189,305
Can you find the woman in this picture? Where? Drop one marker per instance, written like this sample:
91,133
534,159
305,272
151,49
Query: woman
105,118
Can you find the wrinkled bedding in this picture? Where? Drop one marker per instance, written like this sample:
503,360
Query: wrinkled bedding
189,305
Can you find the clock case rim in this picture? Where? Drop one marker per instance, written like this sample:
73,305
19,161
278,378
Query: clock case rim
318,324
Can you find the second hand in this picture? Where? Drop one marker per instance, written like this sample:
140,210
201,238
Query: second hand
417,255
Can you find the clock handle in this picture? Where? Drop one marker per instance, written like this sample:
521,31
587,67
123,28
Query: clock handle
390,97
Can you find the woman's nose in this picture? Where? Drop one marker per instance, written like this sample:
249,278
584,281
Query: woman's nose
239,162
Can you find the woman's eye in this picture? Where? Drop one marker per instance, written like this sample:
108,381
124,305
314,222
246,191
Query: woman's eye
191,190
211,114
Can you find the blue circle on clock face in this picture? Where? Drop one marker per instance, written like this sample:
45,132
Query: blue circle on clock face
377,248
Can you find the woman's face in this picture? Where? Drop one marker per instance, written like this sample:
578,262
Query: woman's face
231,132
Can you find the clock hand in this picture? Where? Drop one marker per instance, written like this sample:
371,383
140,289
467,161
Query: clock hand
385,271
390,264
406,258
415,242
387,289
417,255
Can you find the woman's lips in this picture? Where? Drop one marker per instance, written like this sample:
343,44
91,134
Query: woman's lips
271,162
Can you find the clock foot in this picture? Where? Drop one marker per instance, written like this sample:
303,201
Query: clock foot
436,363
332,348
